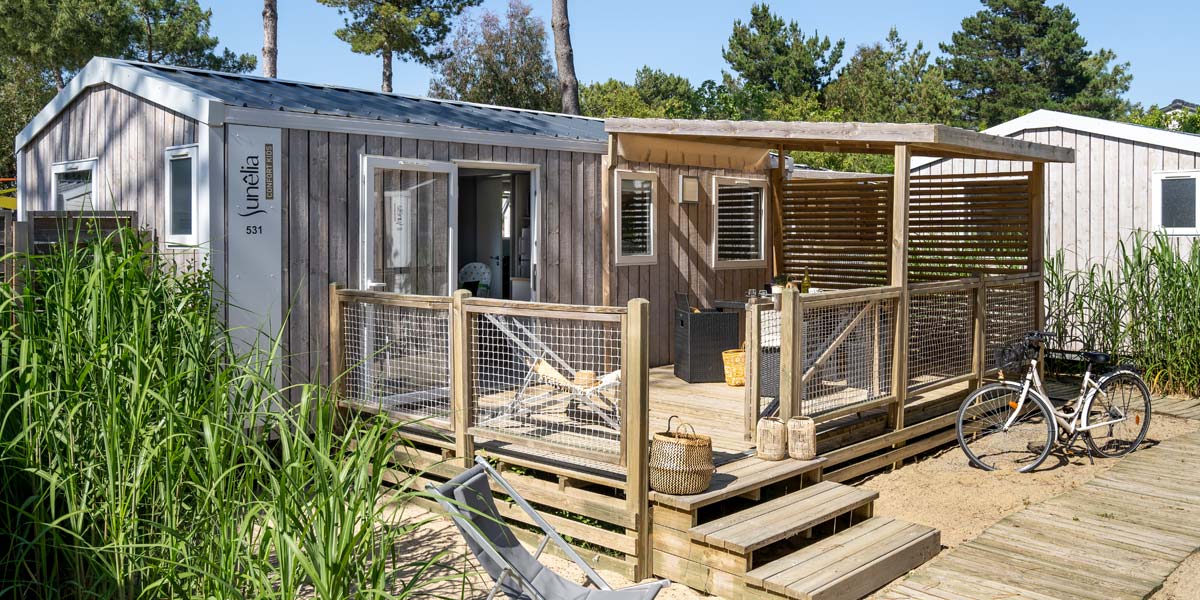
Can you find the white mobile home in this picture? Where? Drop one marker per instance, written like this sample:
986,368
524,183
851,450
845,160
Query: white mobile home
1125,178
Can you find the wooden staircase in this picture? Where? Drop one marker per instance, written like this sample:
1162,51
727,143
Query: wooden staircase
791,535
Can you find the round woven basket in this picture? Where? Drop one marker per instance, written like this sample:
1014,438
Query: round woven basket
735,367
681,463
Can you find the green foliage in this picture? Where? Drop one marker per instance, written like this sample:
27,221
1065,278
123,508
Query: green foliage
887,83
24,90
410,29
1142,308
1186,121
777,55
59,38
140,456
504,63
1015,56
176,32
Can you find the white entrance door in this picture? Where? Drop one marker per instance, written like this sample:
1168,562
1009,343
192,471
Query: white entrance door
408,225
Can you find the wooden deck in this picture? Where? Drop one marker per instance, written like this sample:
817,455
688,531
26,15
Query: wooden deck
713,409
1118,536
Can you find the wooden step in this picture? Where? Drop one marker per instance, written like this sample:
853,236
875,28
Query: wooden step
849,564
740,477
782,517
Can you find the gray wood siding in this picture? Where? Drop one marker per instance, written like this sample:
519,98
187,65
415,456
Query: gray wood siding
684,242
1095,203
126,134
320,185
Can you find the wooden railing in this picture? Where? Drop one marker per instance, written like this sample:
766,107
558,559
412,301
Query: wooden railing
847,351
448,367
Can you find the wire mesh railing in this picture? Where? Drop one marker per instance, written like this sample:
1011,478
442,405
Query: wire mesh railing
847,353
396,353
941,335
548,379
1010,313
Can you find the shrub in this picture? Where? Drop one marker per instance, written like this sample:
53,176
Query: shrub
1143,308
140,457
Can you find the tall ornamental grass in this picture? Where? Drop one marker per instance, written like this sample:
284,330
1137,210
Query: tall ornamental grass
1144,308
139,457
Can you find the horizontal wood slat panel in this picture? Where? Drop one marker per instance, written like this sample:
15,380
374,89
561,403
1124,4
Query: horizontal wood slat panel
837,231
965,226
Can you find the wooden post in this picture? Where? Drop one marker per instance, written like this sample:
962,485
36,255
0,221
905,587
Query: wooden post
635,345
754,308
1037,251
791,354
778,181
460,377
899,277
979,358
336,347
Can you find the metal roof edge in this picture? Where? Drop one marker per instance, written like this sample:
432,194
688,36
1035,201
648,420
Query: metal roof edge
133,79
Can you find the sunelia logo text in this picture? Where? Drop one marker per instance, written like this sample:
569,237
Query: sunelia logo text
258,184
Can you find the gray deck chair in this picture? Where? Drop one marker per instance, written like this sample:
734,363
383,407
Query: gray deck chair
468,500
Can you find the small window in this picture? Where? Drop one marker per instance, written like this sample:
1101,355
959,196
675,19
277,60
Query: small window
72,185
1175,202
635,218
740,237
181,195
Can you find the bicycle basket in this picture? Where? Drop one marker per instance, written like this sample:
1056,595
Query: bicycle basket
1011,358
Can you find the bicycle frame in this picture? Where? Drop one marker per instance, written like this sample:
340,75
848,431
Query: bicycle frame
1073,422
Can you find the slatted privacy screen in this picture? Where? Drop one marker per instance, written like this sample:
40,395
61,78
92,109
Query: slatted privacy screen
548,381
941,335
1011,313
837,230
636,216
847,354
397,358
968,225
739,221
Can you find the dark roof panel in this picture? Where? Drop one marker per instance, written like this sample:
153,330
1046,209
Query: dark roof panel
271,94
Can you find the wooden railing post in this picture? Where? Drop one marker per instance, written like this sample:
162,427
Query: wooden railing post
979,358
635,369
460,377
791,354
336,348
898,267
754,310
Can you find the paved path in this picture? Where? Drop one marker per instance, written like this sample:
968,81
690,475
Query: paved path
1118,536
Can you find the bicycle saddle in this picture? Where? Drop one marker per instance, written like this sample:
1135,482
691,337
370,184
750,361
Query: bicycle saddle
1096,358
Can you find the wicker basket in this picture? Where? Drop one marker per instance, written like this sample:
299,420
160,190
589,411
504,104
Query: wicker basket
681,463
735,367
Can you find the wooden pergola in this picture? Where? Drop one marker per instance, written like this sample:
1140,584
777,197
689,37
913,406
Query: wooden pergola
748,146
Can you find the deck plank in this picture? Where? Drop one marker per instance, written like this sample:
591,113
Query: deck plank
1137,522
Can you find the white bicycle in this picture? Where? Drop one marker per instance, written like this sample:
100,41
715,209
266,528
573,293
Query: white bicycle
1011,425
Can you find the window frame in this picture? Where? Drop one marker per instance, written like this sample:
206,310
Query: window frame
1156,180
191,151
764,243
71,166
640,259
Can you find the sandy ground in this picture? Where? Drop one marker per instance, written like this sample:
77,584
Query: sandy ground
939,491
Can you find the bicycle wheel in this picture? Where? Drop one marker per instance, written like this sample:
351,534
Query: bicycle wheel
983,437
1123,401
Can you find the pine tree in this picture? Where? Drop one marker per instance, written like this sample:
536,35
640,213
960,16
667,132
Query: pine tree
778,57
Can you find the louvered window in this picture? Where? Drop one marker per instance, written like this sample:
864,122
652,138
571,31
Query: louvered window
1176,202
739,224
635,218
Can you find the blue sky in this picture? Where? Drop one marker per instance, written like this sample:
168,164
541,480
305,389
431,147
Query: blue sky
613,38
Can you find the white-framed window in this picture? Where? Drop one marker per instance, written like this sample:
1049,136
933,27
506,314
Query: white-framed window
740,223
636,195
72,184
1174,209
182,201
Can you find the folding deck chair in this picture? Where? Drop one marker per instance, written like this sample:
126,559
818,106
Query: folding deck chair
469,502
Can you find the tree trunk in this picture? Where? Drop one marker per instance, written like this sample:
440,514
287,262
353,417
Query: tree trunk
270,51
568,85
387,70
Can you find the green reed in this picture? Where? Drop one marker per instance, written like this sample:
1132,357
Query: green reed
1142,307
140,456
